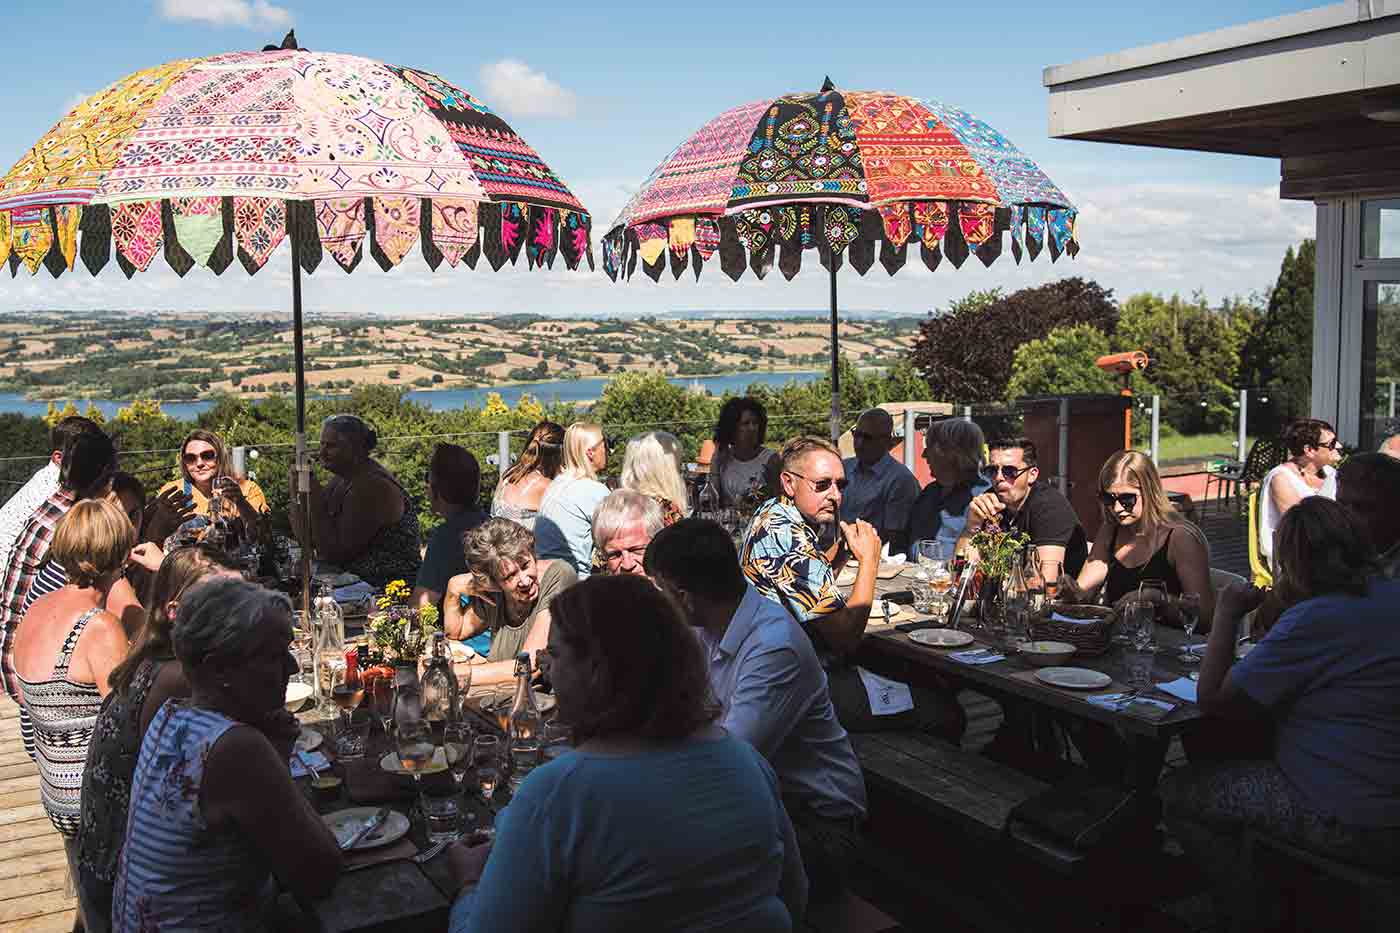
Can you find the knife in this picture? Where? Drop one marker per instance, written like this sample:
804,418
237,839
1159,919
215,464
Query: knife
374,823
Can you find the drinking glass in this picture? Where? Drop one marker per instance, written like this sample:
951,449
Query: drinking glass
1049,572
353,739
414,741
1143,629
929,551
382,703
457,746
922,591
345,696
1188,609
1138,663
558,739
443,815
1018,622
1154,592
486,757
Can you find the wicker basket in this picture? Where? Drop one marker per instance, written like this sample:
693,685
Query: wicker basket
1089,634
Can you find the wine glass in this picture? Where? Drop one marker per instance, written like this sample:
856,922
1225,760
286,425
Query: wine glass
345,695
1188,609
382,703
414,741
1154,592
1050,570
457,747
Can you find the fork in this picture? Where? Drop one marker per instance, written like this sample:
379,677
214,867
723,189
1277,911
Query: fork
431,852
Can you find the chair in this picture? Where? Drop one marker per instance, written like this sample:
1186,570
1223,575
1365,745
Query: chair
1219,579
1258,569
1265,454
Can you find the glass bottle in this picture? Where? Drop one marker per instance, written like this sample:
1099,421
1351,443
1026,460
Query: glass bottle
524,724
439,686
707,502
330,639
1016,604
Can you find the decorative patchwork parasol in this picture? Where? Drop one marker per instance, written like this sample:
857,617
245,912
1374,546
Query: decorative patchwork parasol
839,172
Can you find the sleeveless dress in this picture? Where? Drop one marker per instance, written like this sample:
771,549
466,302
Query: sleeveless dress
175,872
518,514
1123,579
63,714
393,551
1269,514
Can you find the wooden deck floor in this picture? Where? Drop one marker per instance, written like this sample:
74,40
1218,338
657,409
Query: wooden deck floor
33,871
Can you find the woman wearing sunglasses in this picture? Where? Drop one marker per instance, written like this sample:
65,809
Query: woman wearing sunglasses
1143,538
1310,470
205,464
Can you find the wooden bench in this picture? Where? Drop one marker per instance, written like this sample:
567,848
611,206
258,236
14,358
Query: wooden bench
1288,876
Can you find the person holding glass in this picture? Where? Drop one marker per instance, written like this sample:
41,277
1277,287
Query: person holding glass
206,470
1310,470
580,847
953,452
563,529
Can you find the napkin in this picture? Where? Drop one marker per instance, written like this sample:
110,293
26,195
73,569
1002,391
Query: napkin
887,697
1056,617
977,656
354,593
299,769
1182,687
1133,705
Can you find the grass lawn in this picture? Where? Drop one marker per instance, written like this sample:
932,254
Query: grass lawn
1199,447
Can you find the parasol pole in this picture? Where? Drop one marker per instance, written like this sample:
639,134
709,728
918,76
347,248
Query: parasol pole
303,466
835,368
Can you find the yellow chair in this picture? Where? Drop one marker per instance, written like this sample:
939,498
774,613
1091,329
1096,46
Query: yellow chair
1260,572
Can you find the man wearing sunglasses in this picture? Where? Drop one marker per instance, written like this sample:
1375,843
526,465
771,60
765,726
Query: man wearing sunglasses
882,490
1018,502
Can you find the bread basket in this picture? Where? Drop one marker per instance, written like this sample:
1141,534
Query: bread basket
1088,628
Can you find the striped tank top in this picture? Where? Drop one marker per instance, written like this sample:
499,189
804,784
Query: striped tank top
175,872
62,714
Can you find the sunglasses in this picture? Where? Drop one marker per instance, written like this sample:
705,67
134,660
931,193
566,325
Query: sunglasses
1128,500
208,456
1333,444
1007,472
823,485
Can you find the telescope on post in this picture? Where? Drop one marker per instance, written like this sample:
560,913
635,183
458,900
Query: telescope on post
1124,365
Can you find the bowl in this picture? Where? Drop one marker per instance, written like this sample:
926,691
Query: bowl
1047,653
297,694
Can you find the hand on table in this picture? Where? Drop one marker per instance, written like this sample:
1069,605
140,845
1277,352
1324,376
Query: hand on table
466,863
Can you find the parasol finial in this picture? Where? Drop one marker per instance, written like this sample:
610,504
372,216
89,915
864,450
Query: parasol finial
827,86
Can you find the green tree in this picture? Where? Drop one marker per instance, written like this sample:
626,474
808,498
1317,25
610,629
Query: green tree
1195,353
1277,356
1061,362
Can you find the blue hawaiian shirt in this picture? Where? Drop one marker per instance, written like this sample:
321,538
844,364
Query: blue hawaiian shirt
784,562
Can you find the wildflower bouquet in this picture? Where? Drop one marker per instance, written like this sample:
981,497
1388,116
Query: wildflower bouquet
399,630
998,550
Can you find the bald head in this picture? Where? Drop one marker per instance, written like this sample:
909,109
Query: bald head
1391,446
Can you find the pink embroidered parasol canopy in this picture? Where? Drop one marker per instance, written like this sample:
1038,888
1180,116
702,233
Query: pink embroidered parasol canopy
839,172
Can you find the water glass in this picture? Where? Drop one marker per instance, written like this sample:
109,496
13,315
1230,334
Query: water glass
354,736
1143,628
457,747
1188,610
443,816
558,739
1138,663
1049,573
929,551
922,591
1154,593
1018,622
486,757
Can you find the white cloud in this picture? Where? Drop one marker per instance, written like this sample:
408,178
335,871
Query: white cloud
256,13
519,90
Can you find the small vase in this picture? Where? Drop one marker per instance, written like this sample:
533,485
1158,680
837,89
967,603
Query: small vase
991,604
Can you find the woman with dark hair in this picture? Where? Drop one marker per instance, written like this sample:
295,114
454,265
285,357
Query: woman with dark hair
1310,470
521,488
454,483
582,845
1326,678
213,811
140,686
206,468
741,463
362,521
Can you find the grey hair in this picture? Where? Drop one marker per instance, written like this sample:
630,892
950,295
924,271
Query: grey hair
355,427
224,618
621,510
493,543
960,439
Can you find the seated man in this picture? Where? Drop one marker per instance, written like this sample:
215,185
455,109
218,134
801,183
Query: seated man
881,490
785,563
623,525
1018,502
768,681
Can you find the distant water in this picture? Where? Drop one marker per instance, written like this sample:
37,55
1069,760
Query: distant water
580,390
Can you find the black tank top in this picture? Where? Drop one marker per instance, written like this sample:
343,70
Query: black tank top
1123,580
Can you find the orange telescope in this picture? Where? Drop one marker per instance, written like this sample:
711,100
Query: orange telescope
1124,364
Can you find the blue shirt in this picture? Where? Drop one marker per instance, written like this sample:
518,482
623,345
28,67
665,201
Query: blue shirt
564,527
1329,672
446,556
881,494
767,678
690,837
940,513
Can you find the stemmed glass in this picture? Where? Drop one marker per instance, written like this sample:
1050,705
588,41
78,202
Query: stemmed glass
414,741
486,756
1188,609
457,746
345,695
382,703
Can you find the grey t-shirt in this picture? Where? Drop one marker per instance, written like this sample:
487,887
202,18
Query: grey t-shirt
507,639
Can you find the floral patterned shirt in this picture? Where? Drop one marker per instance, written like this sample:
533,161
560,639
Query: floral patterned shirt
784,561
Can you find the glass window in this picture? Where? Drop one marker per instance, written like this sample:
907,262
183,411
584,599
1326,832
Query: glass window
1380,363
1380,229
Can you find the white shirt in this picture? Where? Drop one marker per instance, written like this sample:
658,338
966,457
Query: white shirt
1269,515
773,690
737,476
881,494
22,504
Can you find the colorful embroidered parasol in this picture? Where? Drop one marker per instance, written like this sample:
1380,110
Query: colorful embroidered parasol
839,172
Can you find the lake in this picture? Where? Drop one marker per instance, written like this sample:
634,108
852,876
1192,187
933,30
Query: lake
578,390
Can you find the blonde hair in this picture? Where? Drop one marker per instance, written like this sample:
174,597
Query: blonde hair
960,439
622,509
1137,468
652,466
92,541
579,438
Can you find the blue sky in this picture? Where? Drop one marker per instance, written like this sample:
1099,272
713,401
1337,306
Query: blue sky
605,91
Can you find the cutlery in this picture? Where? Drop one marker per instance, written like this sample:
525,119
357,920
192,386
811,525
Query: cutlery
886,604
432,852
365,831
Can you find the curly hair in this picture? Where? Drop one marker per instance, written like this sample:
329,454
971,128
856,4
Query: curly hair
728,425
1304,433
1321,547
492,543
651,679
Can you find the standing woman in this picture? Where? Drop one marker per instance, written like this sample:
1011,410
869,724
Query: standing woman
564,528
362,521
520,490
1310,470
64,650
741,462
204,464
141,684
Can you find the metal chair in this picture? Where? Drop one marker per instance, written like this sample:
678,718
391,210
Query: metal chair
1236,477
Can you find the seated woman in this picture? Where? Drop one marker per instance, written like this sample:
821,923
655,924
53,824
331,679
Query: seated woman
64,649
206,468
1310,470
507,592
214,812
653,466
1142,538
563,530
140,686
623,526
1327,677
742,466
520,490
581,846
362,521
454,483
953,451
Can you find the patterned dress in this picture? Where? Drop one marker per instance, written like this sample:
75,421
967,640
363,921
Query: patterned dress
393,552
176,873
63,714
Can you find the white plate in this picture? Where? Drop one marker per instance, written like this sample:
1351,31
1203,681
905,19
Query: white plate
898,613
888,571
461,651
1073,678
390,763
940,637
309,740
346,823
297,694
